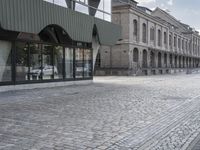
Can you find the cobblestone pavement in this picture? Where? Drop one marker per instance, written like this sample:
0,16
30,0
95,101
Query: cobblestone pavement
114,113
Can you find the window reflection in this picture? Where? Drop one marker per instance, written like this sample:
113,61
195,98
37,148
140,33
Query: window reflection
87,63
5,61
81,8
48,69
58,62
35,62
58,2
69,63
79,62
22,61
100,9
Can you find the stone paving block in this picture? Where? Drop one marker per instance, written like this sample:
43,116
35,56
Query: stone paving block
114,113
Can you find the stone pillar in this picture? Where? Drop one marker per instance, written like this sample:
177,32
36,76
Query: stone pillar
148,58
168,60
168,49
162,38
156,59
140,59
162,60
173,61
172,42
181,61
181,50
155,35
139,32
177,43
148,41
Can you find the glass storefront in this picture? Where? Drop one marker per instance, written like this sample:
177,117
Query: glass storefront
48,69
21,61
69,63
58,62
37,62
83,63
79,62
5,61
35,59
87,63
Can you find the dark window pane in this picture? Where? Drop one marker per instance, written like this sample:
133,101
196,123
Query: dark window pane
21,61
58,62
5,61
87,63
79,62
35,62
48,69
69,63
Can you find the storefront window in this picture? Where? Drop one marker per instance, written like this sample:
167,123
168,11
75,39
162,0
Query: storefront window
87,63
22,61
48,69
35,62
58,62
79,63
69,63
5,61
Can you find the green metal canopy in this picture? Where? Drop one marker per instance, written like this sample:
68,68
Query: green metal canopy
32,16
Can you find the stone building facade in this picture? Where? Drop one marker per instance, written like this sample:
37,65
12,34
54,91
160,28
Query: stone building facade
153,42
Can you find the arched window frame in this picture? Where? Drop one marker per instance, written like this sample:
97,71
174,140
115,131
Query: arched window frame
144,33
135,27
159,37
165,37
152,34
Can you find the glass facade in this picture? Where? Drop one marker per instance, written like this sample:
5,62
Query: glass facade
87,63
79,62
22,61
100,9
69,63
5,61
83,63
38,62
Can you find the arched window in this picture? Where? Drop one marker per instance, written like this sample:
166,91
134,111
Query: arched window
152,34
135,27
186,45
144,33
144,60
175,42
165,59
135,55
179,43
170,40
165,38
159,60
159,37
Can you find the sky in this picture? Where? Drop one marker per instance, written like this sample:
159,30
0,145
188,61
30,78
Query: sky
187,11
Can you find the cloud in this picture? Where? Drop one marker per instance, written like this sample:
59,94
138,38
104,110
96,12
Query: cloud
170,2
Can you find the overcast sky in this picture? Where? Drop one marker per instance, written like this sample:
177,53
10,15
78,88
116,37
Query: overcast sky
187,11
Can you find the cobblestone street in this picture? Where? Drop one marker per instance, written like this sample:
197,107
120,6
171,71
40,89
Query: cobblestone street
114,113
